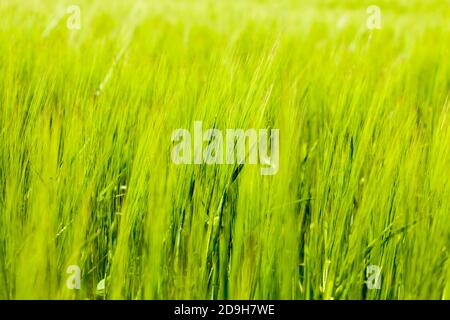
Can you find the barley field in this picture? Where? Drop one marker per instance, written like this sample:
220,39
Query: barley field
92,205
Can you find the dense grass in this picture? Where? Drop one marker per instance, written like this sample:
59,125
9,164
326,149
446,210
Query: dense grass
86,179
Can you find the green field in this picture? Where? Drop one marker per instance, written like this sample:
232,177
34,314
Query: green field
87,179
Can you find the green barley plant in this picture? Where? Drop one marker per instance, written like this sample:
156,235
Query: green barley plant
93,207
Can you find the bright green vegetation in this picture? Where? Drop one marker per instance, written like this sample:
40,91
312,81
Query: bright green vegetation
87,179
